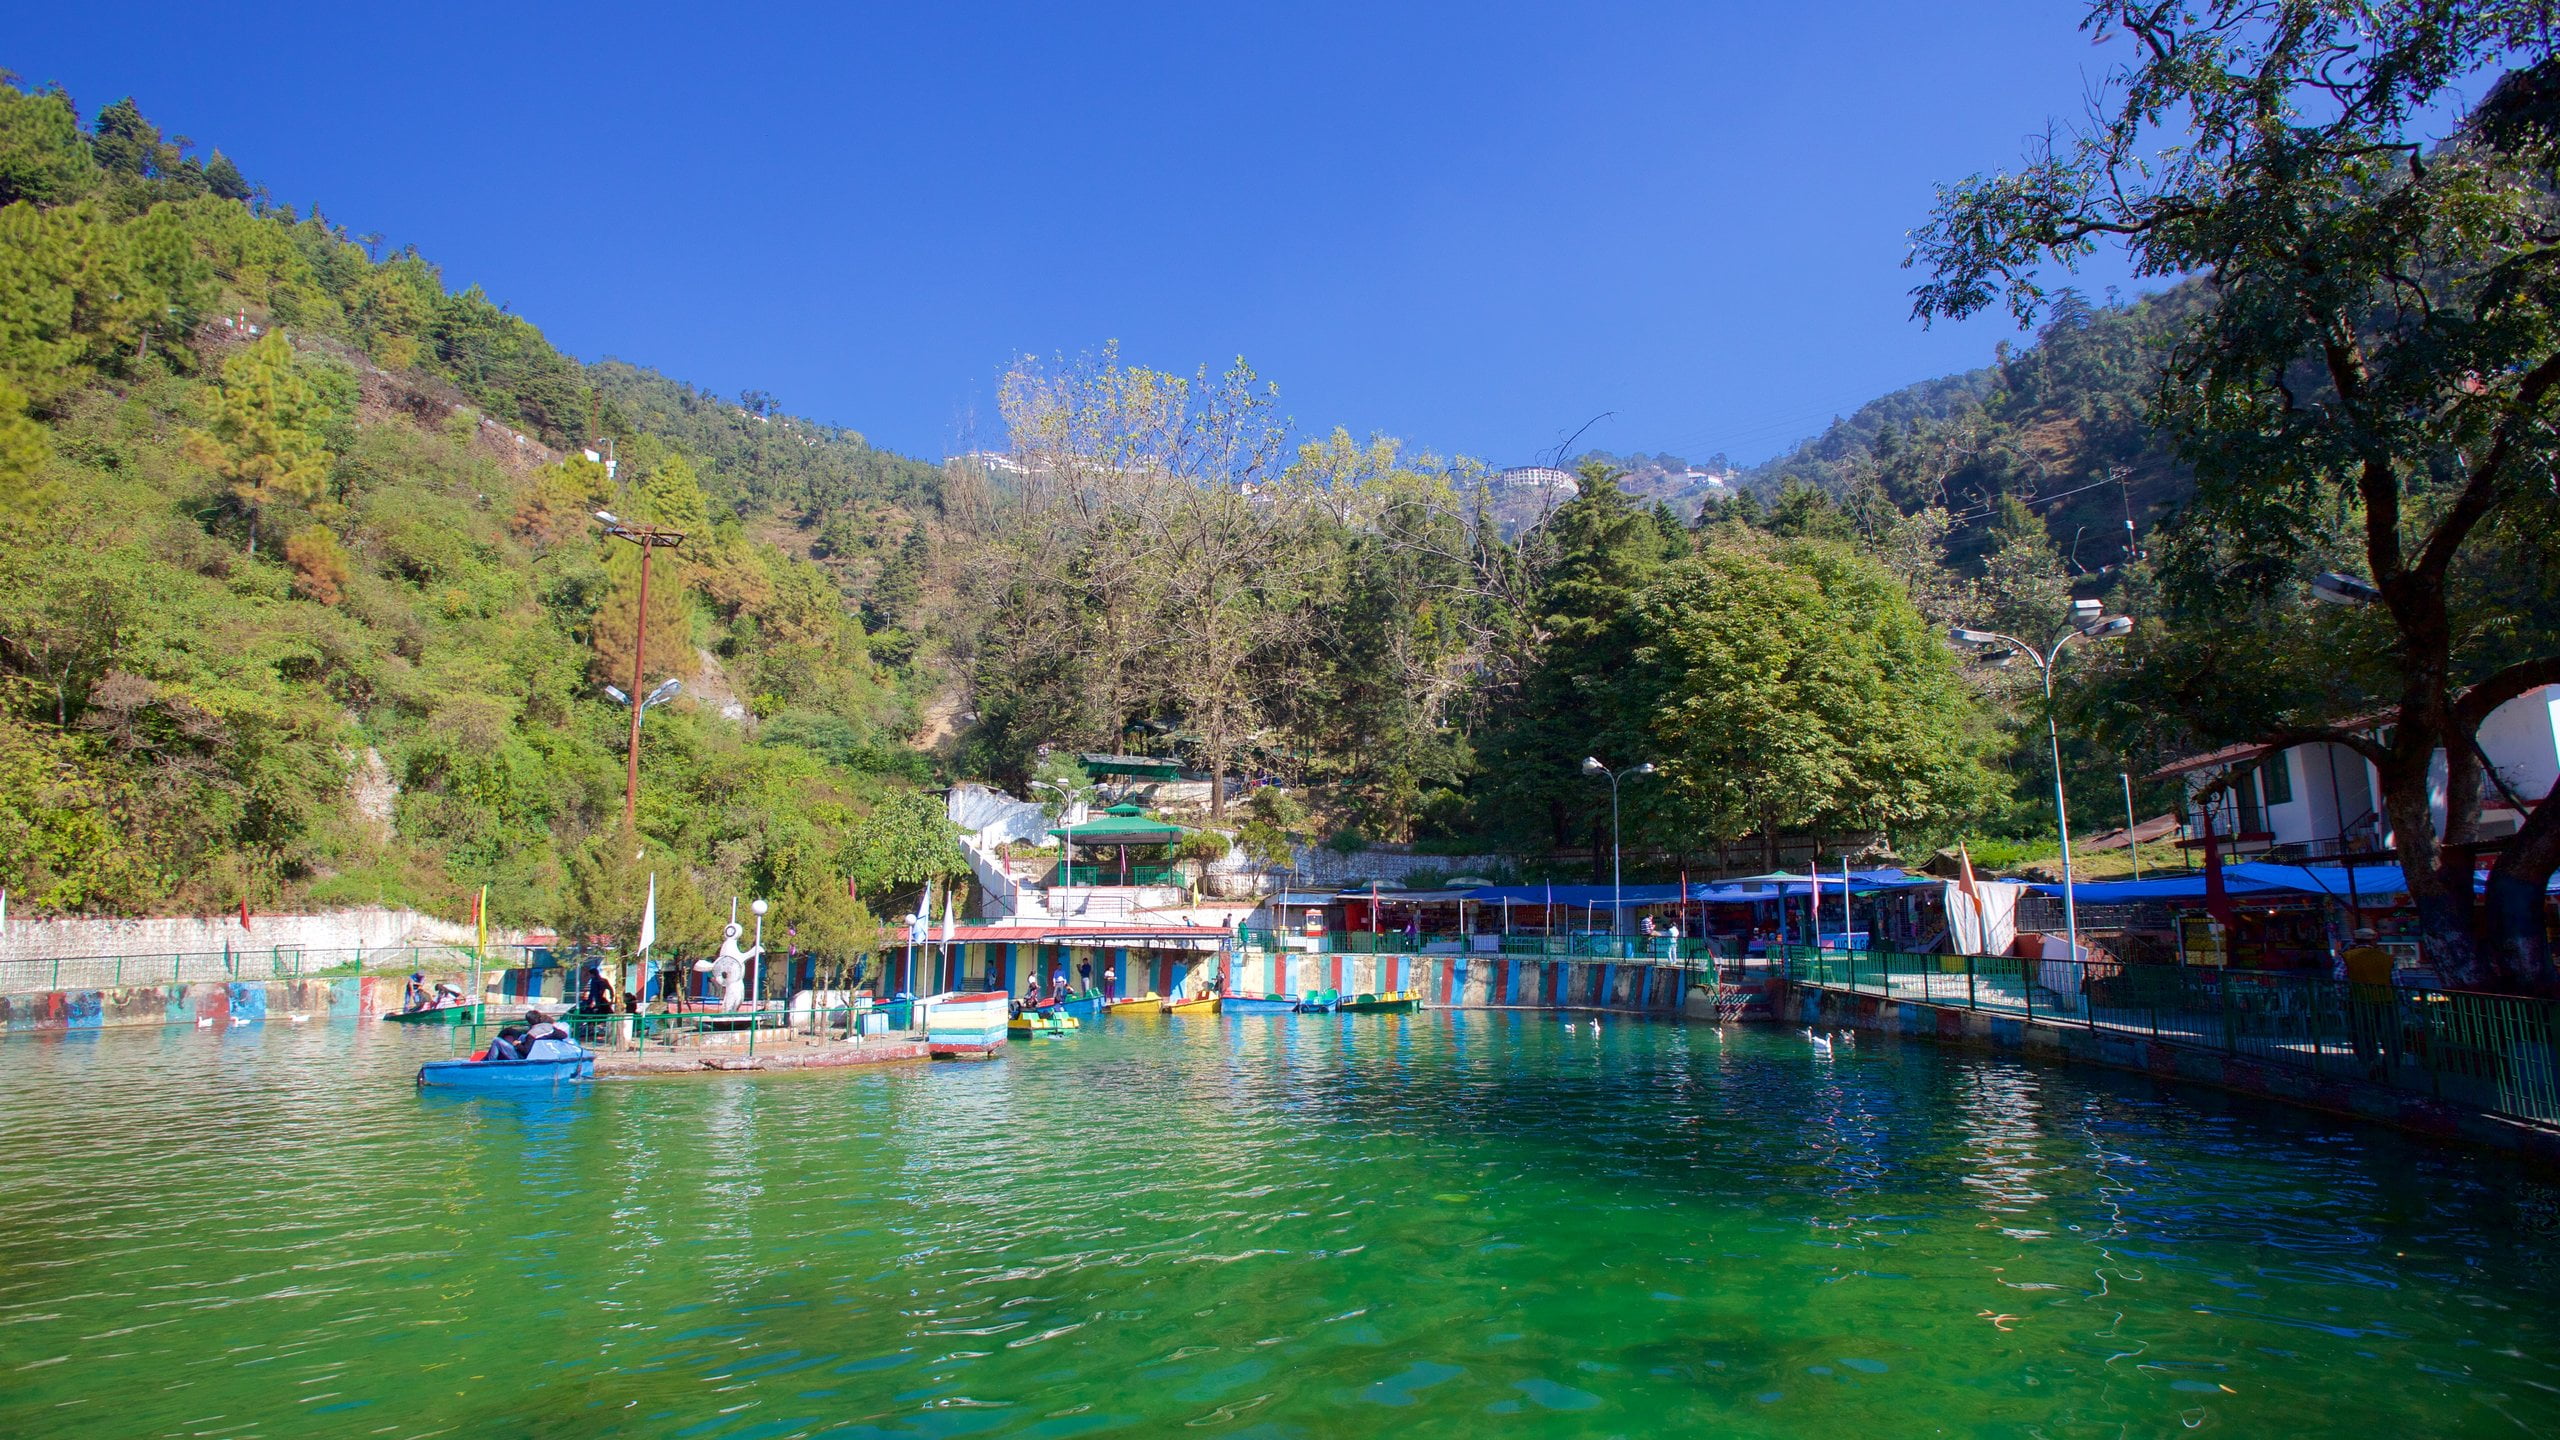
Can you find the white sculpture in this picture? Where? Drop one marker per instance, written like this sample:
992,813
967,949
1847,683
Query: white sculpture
728,969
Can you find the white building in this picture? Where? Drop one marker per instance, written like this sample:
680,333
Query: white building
2314,800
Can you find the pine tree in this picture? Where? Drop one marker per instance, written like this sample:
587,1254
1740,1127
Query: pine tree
265,437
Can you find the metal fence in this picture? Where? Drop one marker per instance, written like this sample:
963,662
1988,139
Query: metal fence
2491,1052
115,972
1638,948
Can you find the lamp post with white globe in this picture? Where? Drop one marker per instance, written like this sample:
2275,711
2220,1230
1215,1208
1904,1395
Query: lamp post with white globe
755,987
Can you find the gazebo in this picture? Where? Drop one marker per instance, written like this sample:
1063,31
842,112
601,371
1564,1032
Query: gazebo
1123,827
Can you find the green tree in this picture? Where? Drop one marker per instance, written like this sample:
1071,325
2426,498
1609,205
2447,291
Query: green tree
1605,551
1800,690
2384,343
906,839
43,158
265,435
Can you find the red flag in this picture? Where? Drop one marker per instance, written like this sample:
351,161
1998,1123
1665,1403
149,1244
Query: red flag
244,912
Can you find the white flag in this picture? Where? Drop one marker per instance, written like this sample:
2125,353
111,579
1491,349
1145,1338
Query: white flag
649,917
946,917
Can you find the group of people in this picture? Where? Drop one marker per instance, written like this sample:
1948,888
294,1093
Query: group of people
539,1038
415,996
1033,997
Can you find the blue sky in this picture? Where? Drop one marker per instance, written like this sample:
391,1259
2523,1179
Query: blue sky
1473,226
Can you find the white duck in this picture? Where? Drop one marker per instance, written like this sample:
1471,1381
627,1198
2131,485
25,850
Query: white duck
204,1022
1821,1043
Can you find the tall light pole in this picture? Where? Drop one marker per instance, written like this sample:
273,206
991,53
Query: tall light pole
1591,766
650,539
1066,871
2088,621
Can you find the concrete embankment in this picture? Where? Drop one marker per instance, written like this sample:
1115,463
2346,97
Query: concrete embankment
2164,1060
786,1057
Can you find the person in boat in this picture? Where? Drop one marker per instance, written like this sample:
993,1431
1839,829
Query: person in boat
413,996
447,994
507,1044
546,1038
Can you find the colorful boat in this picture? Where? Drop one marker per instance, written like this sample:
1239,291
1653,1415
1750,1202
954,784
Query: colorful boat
1040,1025
1149,1003
1321,1002
1261,1005
1396,1000
1205,1005
439,1015
1083,1007
507,1074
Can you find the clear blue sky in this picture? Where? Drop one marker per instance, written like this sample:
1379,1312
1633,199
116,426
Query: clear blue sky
1472,226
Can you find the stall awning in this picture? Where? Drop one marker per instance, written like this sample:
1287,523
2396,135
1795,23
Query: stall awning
1121,825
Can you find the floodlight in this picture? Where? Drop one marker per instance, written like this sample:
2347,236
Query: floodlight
619,698
1963,636
607,517
2338,588
1591,766
2112,627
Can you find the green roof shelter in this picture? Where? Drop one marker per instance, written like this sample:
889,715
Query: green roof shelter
1118,828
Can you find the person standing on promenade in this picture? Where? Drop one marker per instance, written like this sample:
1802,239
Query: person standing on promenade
2370,1002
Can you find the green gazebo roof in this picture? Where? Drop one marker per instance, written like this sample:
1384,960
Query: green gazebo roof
1121,825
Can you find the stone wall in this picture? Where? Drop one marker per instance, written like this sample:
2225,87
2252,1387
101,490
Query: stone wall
370,929
2162,1059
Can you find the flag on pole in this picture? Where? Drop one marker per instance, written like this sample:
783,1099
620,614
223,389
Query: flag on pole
244,912
649,918
946,917
4,909
480,920
1964,882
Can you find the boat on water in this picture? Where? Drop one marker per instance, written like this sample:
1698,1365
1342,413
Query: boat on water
437,1015
1320,1002
1261,1005
1150,1003
1040,1025
1395,1000
1082,1007
1205,1005
507,1074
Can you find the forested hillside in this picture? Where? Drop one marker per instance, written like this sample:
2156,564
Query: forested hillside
2058,426
302,602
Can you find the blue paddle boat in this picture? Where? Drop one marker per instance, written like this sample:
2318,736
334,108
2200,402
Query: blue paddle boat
1262,1005
496,1075
1322,1002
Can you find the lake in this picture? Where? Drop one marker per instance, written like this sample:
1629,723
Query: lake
1465,1224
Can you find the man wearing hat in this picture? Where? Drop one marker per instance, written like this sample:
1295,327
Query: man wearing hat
2371,1005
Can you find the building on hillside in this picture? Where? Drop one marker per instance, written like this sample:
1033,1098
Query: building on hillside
2307,801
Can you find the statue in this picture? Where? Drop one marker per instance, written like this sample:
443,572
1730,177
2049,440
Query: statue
728,969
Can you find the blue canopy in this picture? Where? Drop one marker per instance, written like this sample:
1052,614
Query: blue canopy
2180,887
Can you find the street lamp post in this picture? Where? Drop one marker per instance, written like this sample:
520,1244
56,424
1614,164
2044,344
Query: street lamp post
1067,870
1592,766
2088,622
650,539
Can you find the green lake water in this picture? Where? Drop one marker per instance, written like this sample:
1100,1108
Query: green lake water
1462,1225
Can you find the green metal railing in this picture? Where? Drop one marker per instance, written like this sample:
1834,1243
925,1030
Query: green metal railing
112,972
1099,875
2499,1053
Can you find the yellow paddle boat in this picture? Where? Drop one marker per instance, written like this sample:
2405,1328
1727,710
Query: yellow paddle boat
1205,1005
1149,1002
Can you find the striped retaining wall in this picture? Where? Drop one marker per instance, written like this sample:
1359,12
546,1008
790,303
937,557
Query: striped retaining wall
1469,982
218,1001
